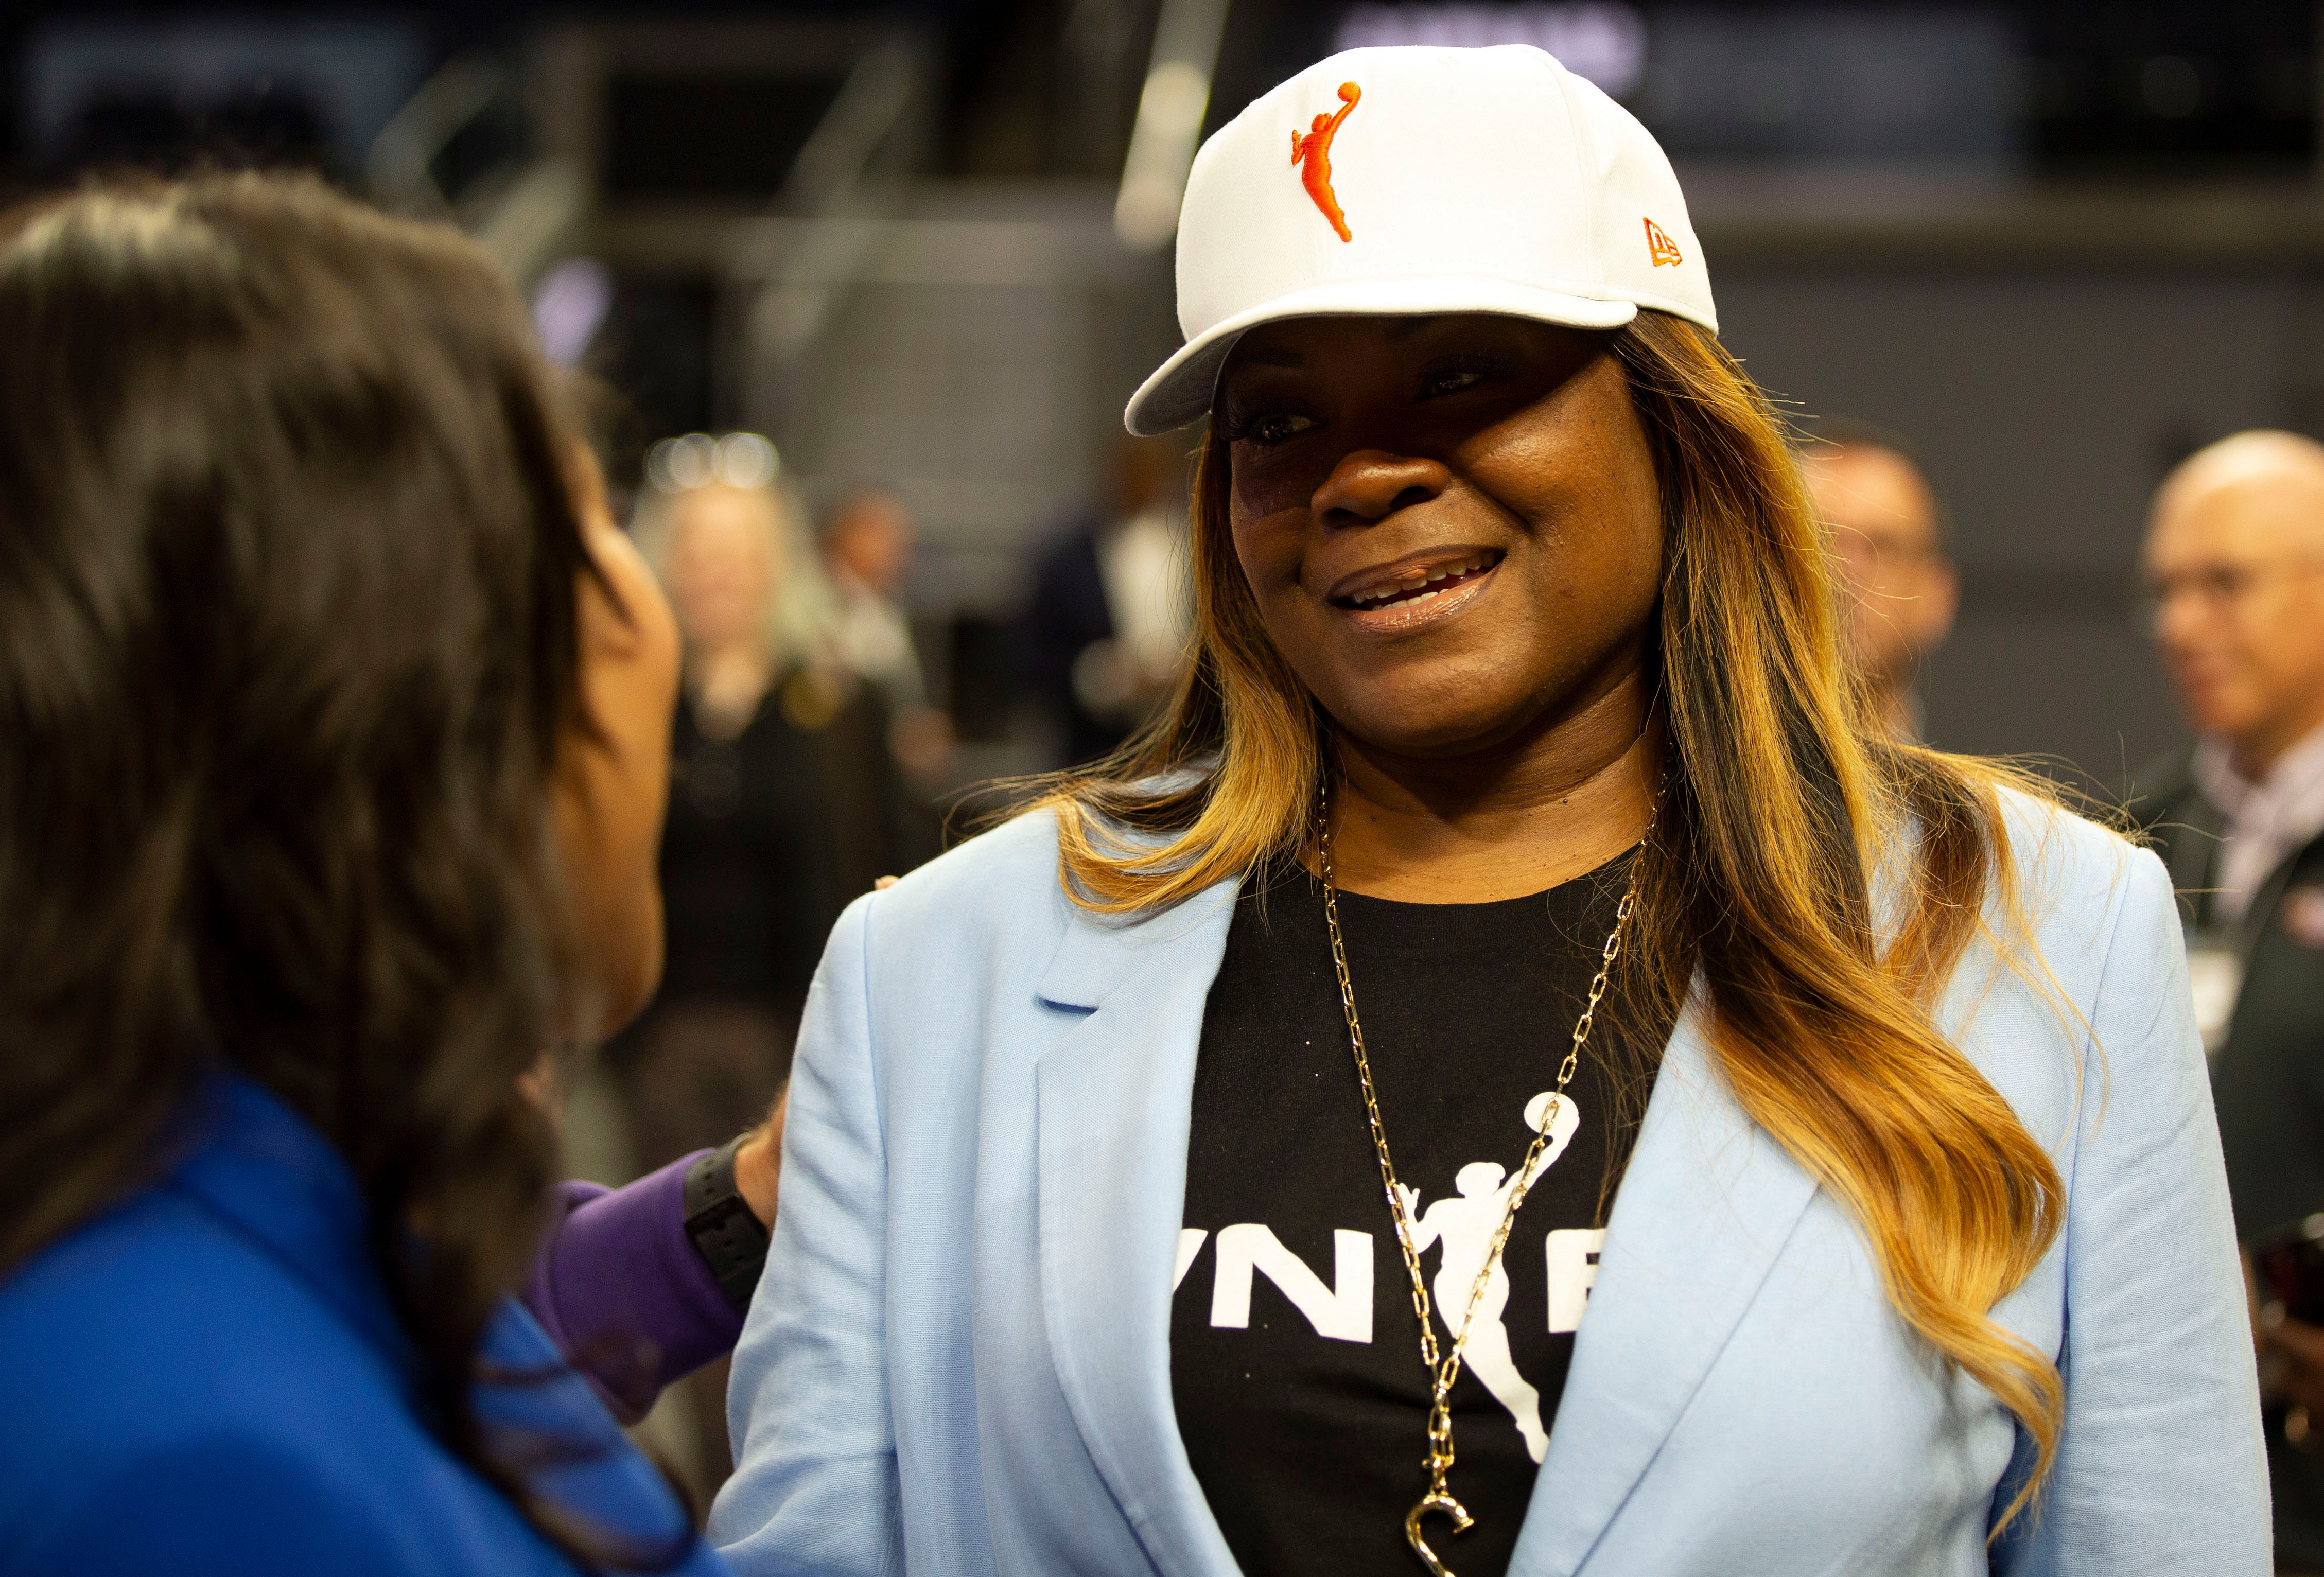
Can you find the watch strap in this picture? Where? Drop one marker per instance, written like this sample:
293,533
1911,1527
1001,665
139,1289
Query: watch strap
726,1233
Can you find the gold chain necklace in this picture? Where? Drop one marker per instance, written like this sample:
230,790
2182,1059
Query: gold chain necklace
1445,1368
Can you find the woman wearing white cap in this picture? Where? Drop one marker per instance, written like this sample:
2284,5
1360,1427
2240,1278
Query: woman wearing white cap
1511,920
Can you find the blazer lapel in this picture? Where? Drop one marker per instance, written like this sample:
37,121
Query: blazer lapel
1704,1209
1115,1097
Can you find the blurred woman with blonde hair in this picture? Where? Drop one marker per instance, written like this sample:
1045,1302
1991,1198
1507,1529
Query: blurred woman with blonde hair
778,787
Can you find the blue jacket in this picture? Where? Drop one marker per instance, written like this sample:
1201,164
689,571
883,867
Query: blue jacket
208,1379
959,1360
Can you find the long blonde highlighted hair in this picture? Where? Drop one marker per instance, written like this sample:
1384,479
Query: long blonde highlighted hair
1781,802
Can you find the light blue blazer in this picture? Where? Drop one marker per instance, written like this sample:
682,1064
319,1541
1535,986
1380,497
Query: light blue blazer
959,1360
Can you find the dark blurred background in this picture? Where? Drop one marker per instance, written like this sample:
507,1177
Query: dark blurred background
2056,246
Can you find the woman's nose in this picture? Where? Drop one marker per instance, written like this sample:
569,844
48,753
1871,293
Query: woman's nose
1368,485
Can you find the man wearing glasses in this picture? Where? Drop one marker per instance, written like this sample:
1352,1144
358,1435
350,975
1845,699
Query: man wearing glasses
2234,582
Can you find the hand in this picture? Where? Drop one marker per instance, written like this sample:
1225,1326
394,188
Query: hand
758,1164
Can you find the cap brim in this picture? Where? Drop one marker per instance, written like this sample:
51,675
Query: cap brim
1180,390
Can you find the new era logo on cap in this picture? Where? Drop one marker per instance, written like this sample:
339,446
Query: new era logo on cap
1423,181
1661,249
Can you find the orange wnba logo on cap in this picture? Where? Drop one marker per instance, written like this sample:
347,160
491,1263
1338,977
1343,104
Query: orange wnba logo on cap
1313,154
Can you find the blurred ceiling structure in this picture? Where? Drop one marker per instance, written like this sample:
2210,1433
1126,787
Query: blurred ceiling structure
926,244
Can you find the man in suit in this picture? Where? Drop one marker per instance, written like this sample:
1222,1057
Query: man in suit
2234,571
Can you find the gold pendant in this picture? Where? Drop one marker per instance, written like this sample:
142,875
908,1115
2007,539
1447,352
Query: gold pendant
1434,1500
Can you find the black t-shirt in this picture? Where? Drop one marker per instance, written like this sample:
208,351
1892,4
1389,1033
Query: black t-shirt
1302,1397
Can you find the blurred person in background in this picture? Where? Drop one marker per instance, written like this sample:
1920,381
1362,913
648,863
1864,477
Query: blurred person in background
783,806
2233,574
334,719
1897,590
1107,625
777,777
867,557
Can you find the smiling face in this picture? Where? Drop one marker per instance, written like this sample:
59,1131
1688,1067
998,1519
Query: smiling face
1451,524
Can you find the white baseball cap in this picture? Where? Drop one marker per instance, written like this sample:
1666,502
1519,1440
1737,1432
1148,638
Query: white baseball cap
1464,181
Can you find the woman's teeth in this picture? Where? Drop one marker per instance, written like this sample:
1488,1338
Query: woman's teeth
1420,585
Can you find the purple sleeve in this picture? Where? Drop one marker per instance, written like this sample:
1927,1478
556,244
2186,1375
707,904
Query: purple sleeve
623,1293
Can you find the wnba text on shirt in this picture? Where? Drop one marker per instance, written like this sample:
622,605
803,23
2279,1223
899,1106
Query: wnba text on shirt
1342,1310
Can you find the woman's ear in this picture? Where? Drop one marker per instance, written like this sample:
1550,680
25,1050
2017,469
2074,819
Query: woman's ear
613,775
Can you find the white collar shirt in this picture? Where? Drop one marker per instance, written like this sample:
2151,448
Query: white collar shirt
2267,821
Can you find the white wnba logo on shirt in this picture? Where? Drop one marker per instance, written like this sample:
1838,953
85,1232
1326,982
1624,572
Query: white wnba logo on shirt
1463,1225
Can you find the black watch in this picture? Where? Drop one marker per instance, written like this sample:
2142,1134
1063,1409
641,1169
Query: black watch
726,1233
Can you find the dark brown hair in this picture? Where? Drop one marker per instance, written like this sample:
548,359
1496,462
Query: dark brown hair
287,575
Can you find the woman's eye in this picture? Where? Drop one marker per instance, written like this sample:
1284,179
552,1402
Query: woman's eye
1272,426
1442,381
